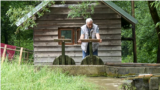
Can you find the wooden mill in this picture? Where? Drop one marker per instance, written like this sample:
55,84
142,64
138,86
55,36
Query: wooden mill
52,25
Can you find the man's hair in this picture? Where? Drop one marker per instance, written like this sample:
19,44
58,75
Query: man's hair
88,20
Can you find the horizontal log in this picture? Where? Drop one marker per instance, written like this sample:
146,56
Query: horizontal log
77,63
108,16
77,59
55,31
69,53
62,40
46,32
111,42
89,40
110,36
58,22
110,31
107,42
74,48
70,26
52,37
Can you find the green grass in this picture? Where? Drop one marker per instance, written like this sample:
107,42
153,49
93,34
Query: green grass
26,77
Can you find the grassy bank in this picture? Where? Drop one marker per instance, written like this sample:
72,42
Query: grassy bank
25,77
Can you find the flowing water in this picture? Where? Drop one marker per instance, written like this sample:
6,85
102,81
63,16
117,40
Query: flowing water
106,83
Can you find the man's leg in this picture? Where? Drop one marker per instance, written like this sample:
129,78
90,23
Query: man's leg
95,52
84,54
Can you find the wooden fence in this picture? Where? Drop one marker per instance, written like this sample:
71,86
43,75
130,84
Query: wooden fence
21,50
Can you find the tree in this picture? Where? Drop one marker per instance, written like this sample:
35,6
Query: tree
156,20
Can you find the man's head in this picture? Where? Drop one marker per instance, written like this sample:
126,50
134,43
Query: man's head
89,23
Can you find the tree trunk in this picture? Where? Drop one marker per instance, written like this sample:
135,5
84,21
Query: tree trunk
6,37
156,19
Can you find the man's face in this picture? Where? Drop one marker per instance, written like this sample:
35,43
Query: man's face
89,24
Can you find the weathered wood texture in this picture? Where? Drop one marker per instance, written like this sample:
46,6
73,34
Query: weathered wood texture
46,50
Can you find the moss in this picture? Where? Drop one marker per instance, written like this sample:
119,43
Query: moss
99,74
118,75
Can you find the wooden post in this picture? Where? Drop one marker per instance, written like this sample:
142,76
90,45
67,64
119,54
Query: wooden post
20,56
63,40
27,55
90,48
4,52
134,36
91,51
63,53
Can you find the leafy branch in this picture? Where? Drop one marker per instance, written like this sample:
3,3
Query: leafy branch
84,9
15,14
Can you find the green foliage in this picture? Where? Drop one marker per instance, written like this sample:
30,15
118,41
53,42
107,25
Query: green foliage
156,4
146,37
15,14
84,9
27,77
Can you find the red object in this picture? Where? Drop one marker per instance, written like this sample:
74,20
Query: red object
2,45
10,52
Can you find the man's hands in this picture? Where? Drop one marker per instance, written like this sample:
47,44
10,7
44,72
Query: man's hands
100,41
79,41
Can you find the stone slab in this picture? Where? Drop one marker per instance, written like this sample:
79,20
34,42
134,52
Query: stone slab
79,69
103,70
113,70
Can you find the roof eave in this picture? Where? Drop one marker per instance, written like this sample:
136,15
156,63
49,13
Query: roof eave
131,20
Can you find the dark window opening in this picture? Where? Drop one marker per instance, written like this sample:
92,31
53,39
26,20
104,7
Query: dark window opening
70,33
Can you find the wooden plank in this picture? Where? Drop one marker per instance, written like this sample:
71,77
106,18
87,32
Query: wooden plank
111,42
54,32
40,32
76,59
62,40
20,56
45,43
90,40
110,31
49,61
74,48
69,53
104,42
108,16
110,36
49,37
73,21
4,53
77,25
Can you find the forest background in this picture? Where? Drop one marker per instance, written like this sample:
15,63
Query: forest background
147,41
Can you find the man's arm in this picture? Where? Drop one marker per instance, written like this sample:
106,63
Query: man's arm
98,37
81,37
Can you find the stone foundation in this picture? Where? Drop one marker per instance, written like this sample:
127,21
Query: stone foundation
98,70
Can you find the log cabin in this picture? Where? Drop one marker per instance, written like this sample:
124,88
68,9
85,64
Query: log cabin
52,25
